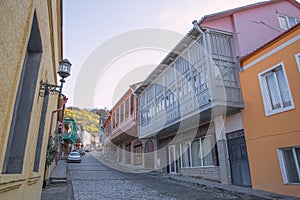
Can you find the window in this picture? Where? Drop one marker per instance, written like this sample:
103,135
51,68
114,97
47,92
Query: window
138,153
131,104
289,159
197,153
121,111
287,22
40,135
127,108
185,154
22,111
297,56
275,90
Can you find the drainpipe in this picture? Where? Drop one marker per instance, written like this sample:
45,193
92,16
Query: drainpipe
195,23
208,61
196,26
65,99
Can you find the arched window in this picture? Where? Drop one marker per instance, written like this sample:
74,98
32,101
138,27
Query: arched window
149,146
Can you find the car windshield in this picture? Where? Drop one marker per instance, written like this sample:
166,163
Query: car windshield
74,154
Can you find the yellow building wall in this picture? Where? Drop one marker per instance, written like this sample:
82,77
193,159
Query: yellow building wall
15,28
264,135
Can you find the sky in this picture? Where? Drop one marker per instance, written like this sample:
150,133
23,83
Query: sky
113,44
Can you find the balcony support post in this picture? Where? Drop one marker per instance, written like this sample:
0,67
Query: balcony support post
225,175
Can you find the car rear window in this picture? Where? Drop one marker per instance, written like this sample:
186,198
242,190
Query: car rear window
74,154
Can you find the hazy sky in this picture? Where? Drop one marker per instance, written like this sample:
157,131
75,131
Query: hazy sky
97,38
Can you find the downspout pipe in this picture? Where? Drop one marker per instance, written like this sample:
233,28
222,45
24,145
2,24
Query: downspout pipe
196,26
65,99
208,50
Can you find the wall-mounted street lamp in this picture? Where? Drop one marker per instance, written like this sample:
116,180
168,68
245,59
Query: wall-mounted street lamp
63,71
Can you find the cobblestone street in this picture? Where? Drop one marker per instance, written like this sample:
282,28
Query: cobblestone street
93,180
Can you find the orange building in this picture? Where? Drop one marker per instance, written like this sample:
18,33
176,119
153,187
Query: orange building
270,82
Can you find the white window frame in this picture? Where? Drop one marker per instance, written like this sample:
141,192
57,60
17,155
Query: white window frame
297,57
190,153
181,154
265,94
283,167
286,18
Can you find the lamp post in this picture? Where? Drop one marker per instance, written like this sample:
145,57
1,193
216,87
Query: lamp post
63,71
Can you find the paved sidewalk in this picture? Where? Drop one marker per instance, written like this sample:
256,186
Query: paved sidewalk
200,182
60,187
59,174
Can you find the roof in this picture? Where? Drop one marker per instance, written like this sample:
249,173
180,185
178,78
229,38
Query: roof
270,42
230,12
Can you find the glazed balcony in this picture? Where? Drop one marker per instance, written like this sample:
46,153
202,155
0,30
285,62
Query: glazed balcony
195,82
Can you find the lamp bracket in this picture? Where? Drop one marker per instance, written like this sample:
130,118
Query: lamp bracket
47,88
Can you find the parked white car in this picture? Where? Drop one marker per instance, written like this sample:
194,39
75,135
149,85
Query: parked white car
74,156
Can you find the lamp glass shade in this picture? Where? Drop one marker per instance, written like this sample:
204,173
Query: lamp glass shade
64,68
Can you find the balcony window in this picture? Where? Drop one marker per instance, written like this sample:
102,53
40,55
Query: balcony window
196,52
117,118
182,65
127,108
275,90
122,109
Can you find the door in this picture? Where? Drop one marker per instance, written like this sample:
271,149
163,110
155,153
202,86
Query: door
240,171
173,163
128,154
149,154
138,155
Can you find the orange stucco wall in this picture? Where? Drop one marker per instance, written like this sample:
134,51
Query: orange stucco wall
265,134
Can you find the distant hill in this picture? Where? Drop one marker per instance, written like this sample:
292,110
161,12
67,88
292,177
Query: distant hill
88,118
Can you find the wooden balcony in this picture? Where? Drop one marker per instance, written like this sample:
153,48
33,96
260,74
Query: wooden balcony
126,130
191,87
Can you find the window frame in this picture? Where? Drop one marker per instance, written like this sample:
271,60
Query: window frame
280,153
192,165
265,93
297,57
287,21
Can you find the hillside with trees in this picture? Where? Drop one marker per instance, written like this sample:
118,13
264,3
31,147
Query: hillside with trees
88,118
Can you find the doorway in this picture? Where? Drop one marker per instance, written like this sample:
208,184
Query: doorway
238,157
173,161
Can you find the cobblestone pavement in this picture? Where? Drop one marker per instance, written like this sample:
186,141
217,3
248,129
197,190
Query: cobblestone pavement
93,180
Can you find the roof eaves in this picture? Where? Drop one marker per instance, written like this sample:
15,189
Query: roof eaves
229,12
